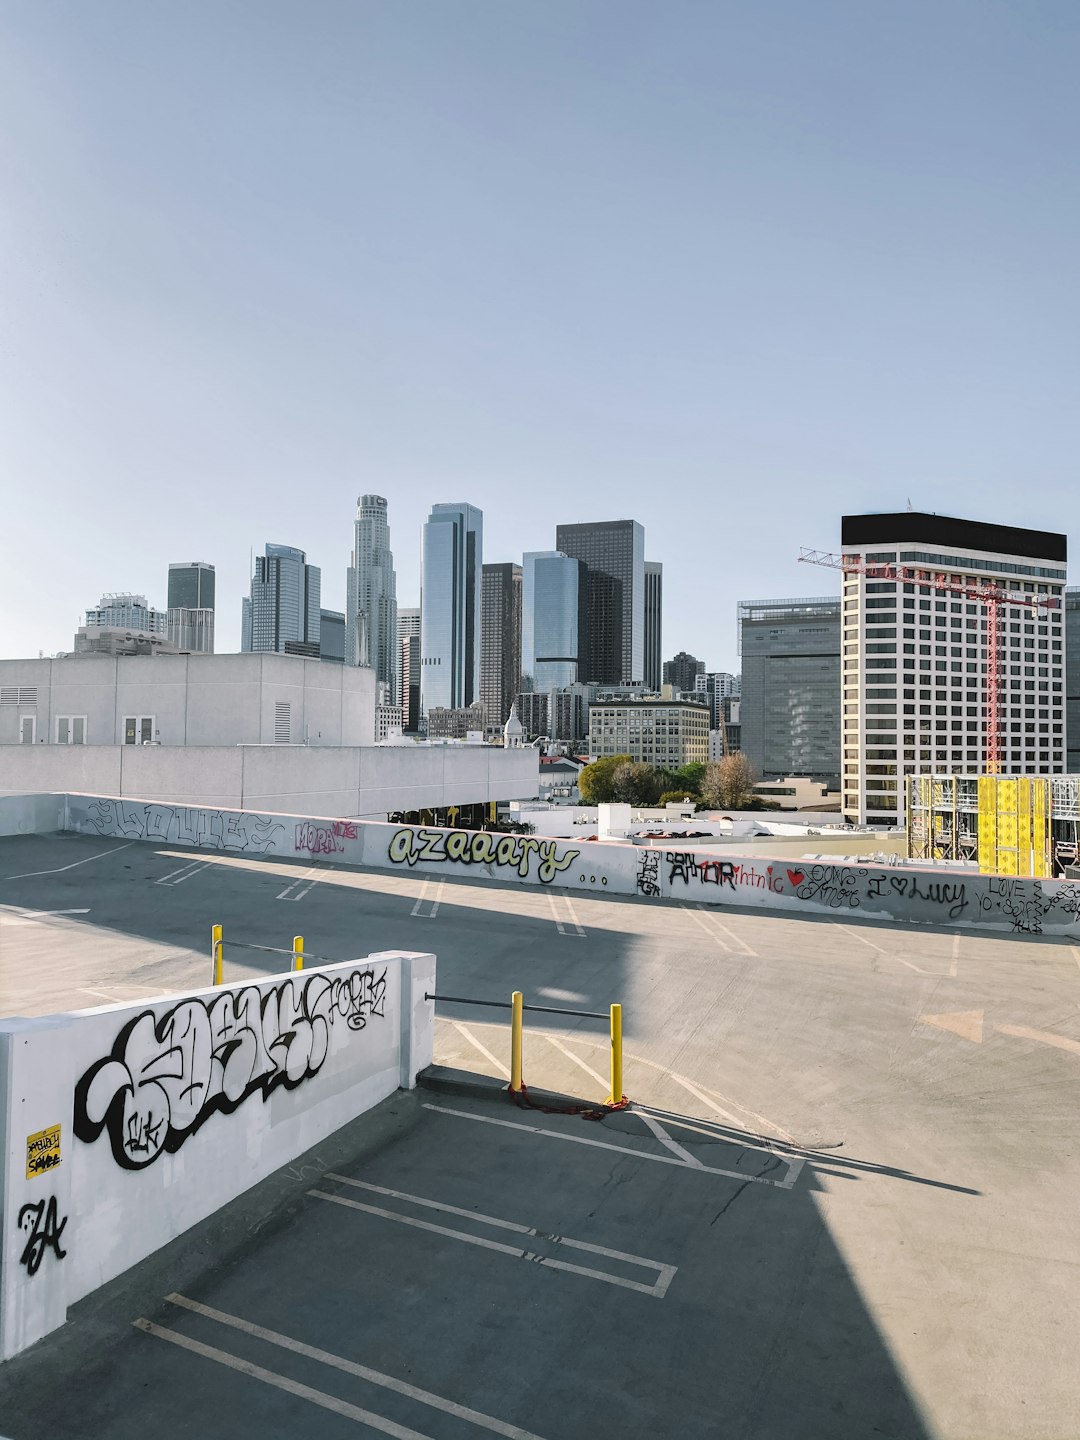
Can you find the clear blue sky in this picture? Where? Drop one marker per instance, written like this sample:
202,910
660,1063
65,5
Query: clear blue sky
728,269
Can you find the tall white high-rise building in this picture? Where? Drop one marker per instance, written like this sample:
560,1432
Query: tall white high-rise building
371,636
914,677
450,606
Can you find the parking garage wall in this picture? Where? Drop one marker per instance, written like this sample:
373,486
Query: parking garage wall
122,1127
838,890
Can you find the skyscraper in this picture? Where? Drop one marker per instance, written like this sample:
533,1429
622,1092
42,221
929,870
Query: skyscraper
371,636
283,610
450,606
554,619
190,624
790,707
614,551
1072,680
685,672
654,620
921,706
500,643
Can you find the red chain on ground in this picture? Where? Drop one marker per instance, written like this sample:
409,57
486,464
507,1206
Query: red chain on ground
587,1112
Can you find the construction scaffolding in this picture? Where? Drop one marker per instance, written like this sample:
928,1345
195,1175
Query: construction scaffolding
1007,825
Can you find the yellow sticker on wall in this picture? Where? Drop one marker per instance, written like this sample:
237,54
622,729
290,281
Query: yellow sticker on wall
42,1151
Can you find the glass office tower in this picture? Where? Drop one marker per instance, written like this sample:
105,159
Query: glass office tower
614,551
554,619
283,612
450,606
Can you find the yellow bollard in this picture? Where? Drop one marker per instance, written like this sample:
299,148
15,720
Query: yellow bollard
298,952
616,1097
515,1043
216,949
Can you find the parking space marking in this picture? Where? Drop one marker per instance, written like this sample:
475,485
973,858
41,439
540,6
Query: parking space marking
955,955
659,1288
352,1367
711,916
665,1139
794,1164
59,869
850,930
10,918
177,877
282,1382
426,898
582,1064
313,876
570,926
1076,953
479,1045
708,929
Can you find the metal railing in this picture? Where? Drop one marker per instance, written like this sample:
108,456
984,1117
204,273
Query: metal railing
517,1007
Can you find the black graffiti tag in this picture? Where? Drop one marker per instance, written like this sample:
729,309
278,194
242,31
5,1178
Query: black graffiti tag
166,1075
648,877
45,1229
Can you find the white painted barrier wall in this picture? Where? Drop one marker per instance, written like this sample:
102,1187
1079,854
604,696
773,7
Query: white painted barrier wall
994,902
122,1127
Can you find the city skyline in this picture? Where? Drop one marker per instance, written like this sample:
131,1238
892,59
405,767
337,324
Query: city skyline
781,304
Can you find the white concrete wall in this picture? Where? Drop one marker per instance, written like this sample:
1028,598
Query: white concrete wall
310,780
32,814
159,1126
675,872
195,699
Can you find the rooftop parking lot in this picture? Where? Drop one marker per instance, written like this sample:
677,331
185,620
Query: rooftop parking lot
843,1205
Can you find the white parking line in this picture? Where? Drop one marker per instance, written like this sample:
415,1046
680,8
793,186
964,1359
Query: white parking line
955,954
363,1372
177,877
665,1139
479,1045
1076,953
426,898
659,1288
711,916
850,930
59,869
564,927
794,1165
282,1382
582,1064
32,917
707,928
313,875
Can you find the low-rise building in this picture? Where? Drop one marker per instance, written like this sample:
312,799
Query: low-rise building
665,733
455,723
185,700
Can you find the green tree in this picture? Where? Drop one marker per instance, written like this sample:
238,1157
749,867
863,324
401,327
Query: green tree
729,783
676,797
636,783
690,776
595,780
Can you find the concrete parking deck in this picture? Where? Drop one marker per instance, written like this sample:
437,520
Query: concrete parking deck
856,1173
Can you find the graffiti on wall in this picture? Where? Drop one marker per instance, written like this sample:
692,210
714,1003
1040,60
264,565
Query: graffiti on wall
648,875
838,887
688,867
183,825
166,1075
1026,904
43,1231
952,897
325,837
467,847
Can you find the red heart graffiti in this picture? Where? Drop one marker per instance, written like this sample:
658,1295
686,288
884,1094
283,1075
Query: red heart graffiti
796,877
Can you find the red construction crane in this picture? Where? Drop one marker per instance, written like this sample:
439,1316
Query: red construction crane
993,596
